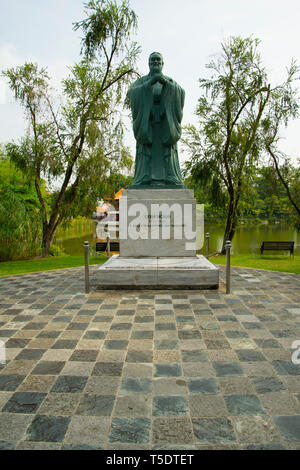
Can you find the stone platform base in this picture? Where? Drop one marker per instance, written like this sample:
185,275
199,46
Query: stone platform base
157,273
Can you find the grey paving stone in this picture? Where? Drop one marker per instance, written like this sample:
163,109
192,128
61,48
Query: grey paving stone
256,430
10,383
209,430
203,385
24,402
7,445
224,369
130,430
167,370
47,428
268,384
165,344
87,430
169,406
172,430
48,368
194,355
288,426
244,405
13,426
108,368
286,368
249,355
139,356
96,405
69,384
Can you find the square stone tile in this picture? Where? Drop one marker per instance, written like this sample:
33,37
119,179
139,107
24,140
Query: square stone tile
137,370
166,356
249,355
78,368
37,383
242,404
255,429
289,427
112,355
139,356
20,367
130,430
268,384
84,355
88,430
4,397
13,426
171,430
201,369
131,385
108,368
69,384
30,354
48,368
102,385
10,382
24,402
60,404
169,406
203,385
167,370
47,428
169,386
194,355
142,334
166,344
225,369
236,385
211,430
286,368
207,405
280,403
95,405
94,335
133,406
258,368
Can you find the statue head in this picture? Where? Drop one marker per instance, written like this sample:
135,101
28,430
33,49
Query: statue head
156,62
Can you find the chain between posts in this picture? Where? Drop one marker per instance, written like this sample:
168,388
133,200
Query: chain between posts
86,259
227,248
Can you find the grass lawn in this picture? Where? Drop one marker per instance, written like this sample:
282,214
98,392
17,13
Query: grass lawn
9,268
283,263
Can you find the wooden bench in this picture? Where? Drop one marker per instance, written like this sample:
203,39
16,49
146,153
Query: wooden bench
277,246
102,246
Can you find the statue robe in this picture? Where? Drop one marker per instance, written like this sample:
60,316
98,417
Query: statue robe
157,113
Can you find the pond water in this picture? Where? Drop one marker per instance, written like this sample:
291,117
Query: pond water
247,239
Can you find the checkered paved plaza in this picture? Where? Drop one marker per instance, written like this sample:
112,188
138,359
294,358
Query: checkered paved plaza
149,369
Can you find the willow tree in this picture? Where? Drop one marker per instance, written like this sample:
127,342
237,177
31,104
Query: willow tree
76,140
282,107
226,145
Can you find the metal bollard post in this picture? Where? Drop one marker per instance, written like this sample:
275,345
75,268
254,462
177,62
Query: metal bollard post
108,246
207,244
227,247
86,258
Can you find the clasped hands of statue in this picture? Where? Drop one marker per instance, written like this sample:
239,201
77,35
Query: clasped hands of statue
157,77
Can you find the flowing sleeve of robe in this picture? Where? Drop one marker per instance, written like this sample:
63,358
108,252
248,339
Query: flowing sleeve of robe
141,101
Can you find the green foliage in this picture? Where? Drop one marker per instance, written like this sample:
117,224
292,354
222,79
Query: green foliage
20,227
56,250
77,140
227,145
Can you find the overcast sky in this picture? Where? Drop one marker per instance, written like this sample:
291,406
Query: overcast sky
188,33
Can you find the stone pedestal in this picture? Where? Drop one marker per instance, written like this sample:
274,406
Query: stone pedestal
158,244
